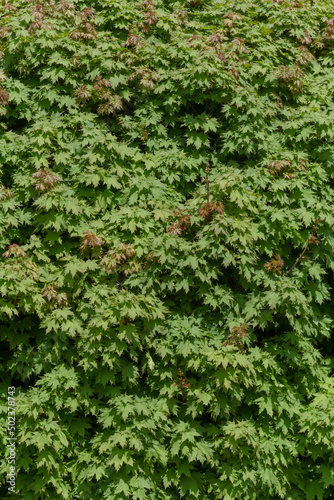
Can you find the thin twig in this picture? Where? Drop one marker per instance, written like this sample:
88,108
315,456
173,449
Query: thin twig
303,252
207,185
194,110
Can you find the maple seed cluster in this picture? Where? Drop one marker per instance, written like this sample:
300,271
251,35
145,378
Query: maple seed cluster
151,257
115,258
285,168
14,250
65,7
182,15
282,167
86,29
313,240
182,382
38,13
194,37
239,44
215,41
230,18
147,77
237,337
233,72
46,180
206,210
304,56
329,31
181,225
4,97
292,76
10,7
111,103
21,265
132,41
5,193
306,39
150,17
90,241
51,294
275,264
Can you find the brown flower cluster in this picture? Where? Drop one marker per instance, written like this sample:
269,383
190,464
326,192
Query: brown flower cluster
91,241
231,18
9,6
76,61
239,44
150,17
132,41
233,72
182,16
51,294
151,257
296,4
14,250
4,31
313,240
237,337
304,56
66,8
182,382
209,208
147,77
292,77
21,266
86,13
83,94
4,97
116,259
39,13
192,38
277,101
282,167
329,30
285,168
86,29
5,193
275,264
303,165
216,41
181,224
110,104
3,76
306,39
101,84
46,180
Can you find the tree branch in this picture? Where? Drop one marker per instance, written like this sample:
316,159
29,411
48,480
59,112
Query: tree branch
303,252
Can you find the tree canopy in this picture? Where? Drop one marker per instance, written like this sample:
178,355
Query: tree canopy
166,250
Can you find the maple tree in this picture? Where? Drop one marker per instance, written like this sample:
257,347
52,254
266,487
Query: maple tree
166,260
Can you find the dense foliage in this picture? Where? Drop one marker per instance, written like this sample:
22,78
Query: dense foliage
167,215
